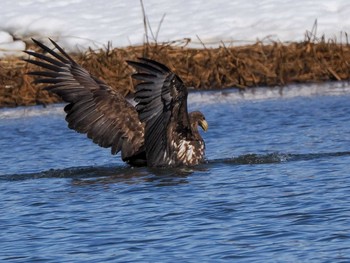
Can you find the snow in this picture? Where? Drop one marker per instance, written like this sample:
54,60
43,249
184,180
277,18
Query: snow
78,24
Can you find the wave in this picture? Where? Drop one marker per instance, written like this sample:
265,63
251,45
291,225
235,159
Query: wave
127,174
277,158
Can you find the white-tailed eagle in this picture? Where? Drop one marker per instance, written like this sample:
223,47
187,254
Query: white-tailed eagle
159,131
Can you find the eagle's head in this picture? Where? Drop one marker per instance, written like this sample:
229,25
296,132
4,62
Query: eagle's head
197,119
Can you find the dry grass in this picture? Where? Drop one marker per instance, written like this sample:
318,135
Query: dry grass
260,64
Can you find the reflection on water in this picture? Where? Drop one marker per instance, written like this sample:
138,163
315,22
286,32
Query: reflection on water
275,187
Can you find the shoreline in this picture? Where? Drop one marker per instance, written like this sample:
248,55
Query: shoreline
276,64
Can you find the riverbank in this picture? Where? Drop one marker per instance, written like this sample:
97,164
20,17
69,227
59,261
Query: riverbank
260,64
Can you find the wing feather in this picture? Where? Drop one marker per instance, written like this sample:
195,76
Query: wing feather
161,100
94,108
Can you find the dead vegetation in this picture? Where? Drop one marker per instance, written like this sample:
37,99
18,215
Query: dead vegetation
275,64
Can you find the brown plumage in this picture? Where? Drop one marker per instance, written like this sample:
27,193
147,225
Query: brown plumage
157,132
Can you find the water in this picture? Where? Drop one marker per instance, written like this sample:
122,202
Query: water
275,188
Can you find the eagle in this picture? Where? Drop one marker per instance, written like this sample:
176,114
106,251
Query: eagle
157,132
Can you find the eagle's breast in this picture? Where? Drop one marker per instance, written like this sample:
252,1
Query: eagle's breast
189,152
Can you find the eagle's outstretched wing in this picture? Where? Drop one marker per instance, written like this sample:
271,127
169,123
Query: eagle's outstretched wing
162,106
94,108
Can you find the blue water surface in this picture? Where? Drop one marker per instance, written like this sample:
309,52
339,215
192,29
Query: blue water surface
275,188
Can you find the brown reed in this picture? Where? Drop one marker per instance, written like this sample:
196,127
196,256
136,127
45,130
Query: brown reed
273,64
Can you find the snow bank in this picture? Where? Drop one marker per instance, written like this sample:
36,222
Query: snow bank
8,46
78,24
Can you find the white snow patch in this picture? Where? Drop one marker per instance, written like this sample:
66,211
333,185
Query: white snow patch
5,37
9,47
78,24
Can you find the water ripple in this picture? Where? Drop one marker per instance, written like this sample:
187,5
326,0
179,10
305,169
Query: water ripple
275,189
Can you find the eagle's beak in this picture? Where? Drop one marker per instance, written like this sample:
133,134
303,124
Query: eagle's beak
203,124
